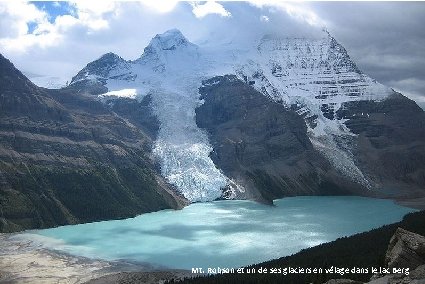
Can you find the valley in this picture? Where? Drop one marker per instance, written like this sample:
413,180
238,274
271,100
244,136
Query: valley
226,234
186,152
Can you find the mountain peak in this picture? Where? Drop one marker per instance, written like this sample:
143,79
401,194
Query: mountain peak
169,40
12,78
101,67
321,52
108,59
170,45
110,56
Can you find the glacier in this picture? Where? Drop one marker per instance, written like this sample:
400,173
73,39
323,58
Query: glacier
313,76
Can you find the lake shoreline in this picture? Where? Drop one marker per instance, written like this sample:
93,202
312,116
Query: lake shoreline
22,260
414,203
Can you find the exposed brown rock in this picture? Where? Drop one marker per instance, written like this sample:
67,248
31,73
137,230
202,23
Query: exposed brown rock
406,249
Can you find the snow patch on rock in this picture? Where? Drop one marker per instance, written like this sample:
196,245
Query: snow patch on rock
313,76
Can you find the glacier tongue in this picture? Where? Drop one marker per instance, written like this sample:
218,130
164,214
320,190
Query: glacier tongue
171,70
181,147
313,76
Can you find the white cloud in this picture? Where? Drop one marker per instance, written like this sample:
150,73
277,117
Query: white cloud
92,28
91,13
210,7
297,10
15,16
14,20
160,6
61,46
15,36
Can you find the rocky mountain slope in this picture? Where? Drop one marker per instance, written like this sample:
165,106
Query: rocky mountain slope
265,147
262,145
280,117
327,128
66,158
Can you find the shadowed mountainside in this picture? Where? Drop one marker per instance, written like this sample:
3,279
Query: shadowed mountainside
265,147
262,145
66,158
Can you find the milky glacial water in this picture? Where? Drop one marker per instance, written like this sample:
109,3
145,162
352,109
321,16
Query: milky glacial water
223,233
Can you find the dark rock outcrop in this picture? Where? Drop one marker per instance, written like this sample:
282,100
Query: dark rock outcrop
263,146
390,146
405,259
66,158
139,113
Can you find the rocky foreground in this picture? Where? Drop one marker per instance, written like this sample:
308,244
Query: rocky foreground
23,262
405,259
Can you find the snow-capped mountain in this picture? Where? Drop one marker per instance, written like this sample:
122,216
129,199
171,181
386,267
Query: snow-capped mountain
109,66
50,82
181,147
314,77
67,158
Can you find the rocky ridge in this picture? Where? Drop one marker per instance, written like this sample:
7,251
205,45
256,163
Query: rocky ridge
263,146
67,158
313,77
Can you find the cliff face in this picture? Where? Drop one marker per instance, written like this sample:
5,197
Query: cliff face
390,143
297,117
323,126
263,146
66,158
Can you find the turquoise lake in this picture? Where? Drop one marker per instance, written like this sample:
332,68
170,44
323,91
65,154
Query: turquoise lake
223,233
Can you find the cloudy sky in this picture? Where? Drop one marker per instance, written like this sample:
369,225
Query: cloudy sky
57,39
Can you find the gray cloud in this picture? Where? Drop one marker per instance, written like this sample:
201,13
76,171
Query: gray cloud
385,39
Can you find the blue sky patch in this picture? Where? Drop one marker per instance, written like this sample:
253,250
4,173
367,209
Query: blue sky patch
31,27
55,9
